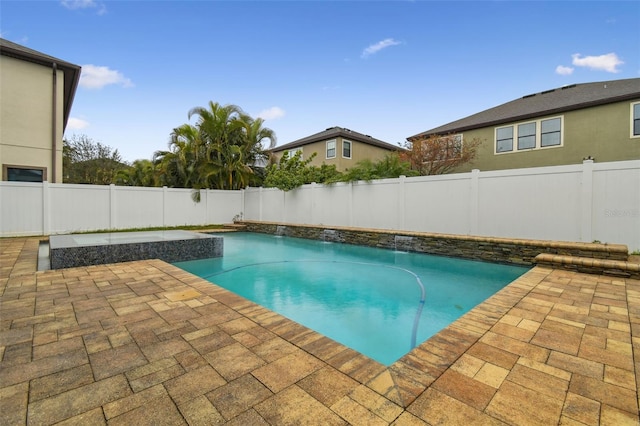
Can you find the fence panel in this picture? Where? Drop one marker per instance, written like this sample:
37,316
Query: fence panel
298,205
76,208
616,204
21,208
223,206
138,208
273,204
539,203
332,204
438,203
375,204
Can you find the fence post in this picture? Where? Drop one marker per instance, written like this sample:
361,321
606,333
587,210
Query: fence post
586,226
260,204
164,206
350,203
473,202
46,209
312,209
401,203
112,207
243,194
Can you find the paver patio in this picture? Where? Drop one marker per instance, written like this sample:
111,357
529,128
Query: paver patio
147,343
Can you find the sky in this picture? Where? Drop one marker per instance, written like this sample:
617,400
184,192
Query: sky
389,69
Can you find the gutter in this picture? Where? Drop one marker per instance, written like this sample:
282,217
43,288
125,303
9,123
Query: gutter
54,127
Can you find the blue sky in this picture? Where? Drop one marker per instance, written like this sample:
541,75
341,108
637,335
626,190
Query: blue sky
389,69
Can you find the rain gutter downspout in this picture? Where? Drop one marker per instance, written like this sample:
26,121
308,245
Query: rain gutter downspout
54,128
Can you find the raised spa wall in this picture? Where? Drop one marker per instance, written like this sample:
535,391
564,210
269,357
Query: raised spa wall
610,259
170,250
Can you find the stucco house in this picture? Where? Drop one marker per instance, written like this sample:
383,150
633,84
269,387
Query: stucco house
560,126
339,146
36,94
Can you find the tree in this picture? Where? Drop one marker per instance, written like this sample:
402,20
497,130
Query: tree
221,150
289,173
435,154
140,173
391,166
90,162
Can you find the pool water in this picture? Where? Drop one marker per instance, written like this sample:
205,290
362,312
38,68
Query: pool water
379,302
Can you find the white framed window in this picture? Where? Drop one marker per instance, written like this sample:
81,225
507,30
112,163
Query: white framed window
346,149
527,135
292,152
331,148
504,139
450,147
550,132
530,135
635,120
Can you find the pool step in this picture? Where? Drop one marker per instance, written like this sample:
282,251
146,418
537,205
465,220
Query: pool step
589,265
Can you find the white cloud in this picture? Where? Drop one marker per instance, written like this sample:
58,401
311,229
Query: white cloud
562,70
75,123
95,77
375,48
608,62
85,4
272,113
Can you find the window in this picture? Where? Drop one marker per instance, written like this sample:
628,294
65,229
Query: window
331,148
545,133
527,136
346,149
292,152
635,120
450,147
25,174
550,132
504,139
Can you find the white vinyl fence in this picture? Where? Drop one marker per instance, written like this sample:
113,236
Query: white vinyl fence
45,209
584,202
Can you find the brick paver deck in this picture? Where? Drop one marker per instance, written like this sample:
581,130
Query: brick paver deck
147,343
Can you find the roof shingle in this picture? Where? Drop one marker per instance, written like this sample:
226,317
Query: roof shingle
566,98
334,132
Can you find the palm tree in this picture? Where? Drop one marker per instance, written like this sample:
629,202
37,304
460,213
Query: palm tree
141,173
219,151
233,144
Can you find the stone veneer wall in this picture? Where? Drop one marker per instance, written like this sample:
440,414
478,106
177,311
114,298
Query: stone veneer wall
500,250
168,250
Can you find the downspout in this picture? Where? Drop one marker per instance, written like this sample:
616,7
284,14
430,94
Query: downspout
54,128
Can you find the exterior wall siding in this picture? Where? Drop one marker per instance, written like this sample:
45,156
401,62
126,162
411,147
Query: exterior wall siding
359,151
26,116
601,132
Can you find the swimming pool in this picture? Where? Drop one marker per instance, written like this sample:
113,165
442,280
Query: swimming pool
380,302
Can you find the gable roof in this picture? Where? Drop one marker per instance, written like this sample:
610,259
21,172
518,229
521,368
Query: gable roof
334,132
71,71
554,101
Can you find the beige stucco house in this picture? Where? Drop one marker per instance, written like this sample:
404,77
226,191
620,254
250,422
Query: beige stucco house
337,146
561,126
36,94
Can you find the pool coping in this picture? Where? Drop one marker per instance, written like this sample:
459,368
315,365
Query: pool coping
448,370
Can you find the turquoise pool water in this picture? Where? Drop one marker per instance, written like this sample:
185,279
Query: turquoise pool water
379,302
